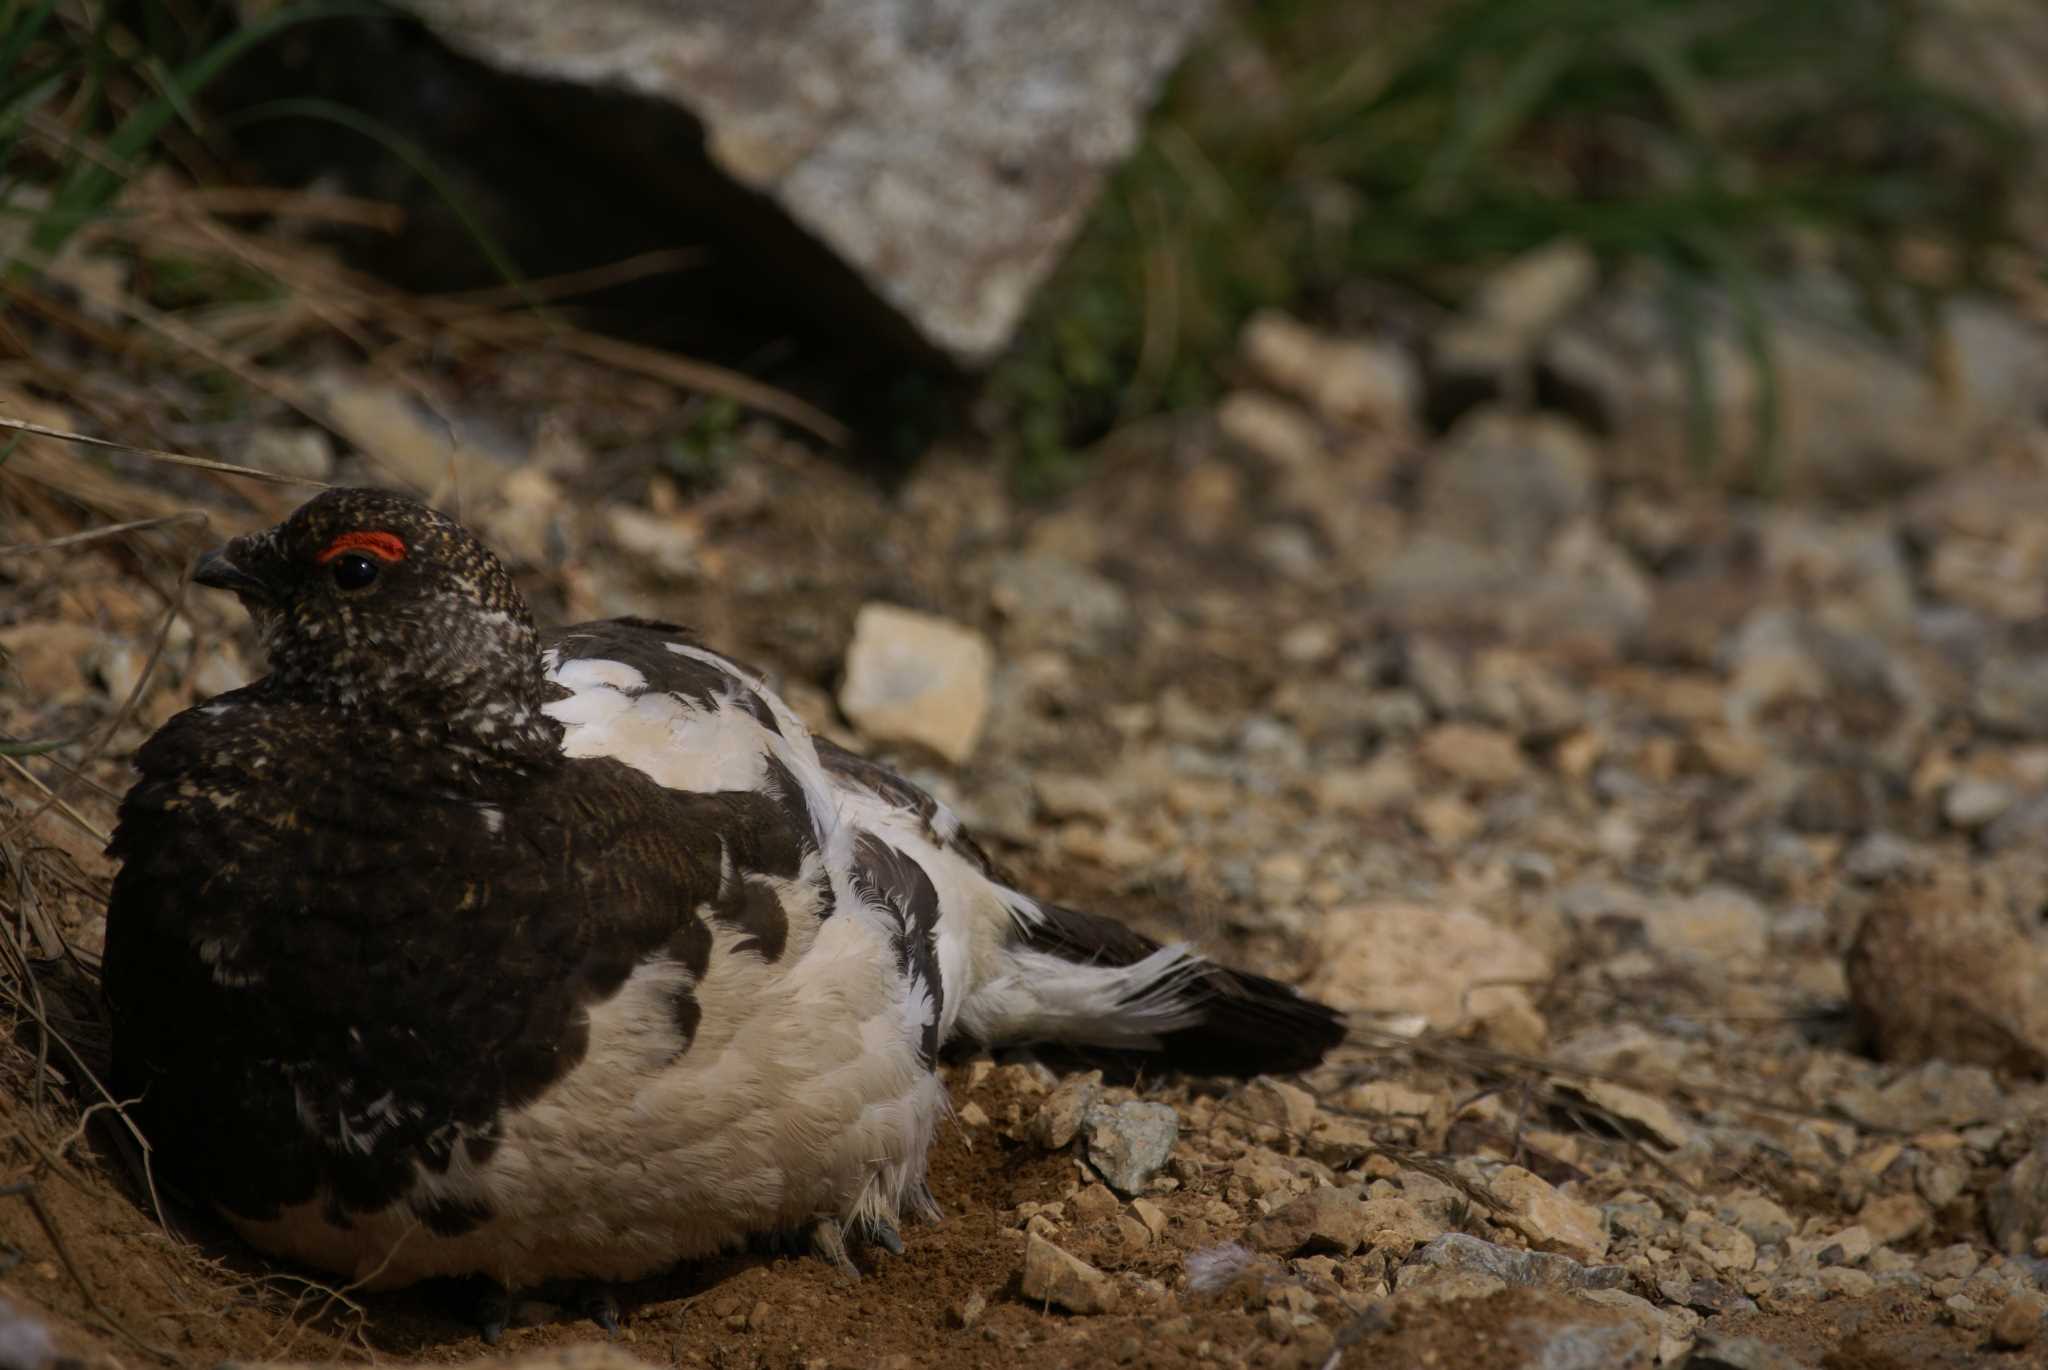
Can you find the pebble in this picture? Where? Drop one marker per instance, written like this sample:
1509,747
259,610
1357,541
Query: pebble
1710,929
1551,1220
1279,1104
1941,972
1052,1275
1129,1143
1331,1221
1447,964
911,677
2018,1321
1972,803
1059,1118
1957,1261
1741,1353
1474,753
1460,1251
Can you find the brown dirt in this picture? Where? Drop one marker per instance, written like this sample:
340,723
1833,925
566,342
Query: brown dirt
782,553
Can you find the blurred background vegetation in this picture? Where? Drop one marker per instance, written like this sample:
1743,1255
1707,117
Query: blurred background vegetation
1312,144
1306,147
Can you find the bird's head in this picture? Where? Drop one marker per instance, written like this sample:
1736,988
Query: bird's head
373,602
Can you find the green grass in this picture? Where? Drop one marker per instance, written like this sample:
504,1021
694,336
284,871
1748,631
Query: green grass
86,100
1317,141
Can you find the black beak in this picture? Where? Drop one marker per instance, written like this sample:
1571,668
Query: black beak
217,571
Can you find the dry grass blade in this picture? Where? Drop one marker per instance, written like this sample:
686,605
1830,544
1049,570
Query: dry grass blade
1471,1056
567,285
155,454
694,375
51,800
349,210
95,534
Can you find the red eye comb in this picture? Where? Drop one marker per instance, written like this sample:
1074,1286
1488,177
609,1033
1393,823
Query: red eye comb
383,546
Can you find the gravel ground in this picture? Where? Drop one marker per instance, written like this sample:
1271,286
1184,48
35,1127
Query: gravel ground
1680,852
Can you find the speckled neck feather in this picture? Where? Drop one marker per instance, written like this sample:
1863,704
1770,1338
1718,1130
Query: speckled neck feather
440,651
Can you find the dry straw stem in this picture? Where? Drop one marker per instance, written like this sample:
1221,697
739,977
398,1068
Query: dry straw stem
503,318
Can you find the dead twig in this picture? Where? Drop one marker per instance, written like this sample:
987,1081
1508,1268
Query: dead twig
154,454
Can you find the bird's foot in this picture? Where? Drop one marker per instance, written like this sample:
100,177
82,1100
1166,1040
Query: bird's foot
828,1242
881,1232
493,1314
601,1306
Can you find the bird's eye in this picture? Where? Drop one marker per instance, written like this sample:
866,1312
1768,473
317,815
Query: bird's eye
353,570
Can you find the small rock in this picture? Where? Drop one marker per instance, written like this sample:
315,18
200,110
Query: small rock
1940,971
1386,782
1460,1251
1324,1220
1129,1143
1549,1219
1059,1118
1449,965
1534,292
968,1311
1893,1218
2018,1203
911,677
1345,381
1763,1220
1635,1308
1064,795
2018,1321
1727,1249
1740,1353
1646,1111
1972,803
1277,1103
1470,752
1448,820
1057,602
1957,1261
1883,856
1935,1097
1610,1342
1506,482
1093,1204
1151,1214
1714,927
1271,428
1846,1282
1053,1276
668,545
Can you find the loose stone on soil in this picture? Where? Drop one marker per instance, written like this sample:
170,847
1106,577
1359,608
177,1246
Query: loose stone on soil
911,677
1053,1276
1129,1143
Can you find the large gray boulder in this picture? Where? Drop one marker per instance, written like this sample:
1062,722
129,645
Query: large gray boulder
944,150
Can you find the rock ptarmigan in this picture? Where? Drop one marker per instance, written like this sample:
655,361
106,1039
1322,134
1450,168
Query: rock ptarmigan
452,948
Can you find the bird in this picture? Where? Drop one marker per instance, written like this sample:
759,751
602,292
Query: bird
449,948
